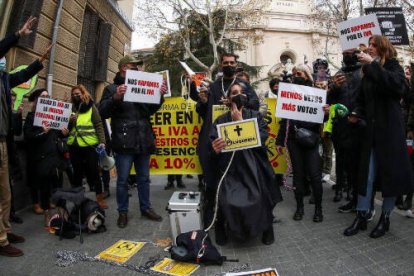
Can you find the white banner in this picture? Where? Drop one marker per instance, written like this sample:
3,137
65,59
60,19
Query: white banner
143,87
357,31
52,113
302,103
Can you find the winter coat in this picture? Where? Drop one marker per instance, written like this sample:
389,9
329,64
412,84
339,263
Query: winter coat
130,122
43,156
378,103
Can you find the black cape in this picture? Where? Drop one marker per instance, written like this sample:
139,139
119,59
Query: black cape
249,191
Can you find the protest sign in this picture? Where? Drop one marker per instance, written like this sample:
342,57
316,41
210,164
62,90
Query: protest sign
171,267
277,160
218,110
240,135
392,24
357,31
121,251
166,76
198,78
176,126
23,88
260,272
52,113
302,103
189,71
143,87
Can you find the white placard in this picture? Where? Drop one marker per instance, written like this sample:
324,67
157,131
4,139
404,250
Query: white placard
143,87
302,103
357,31
52,113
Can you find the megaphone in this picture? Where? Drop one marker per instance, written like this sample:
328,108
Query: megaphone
106,162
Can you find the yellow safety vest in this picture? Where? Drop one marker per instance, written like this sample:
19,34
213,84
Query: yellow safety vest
84,133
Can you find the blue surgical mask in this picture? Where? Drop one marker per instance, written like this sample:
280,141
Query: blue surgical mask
3,64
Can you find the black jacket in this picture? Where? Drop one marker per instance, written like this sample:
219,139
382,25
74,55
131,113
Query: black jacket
10,81
130,122
43,156
8,42
378,103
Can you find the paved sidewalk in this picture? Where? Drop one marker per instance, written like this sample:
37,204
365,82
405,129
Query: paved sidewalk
301,248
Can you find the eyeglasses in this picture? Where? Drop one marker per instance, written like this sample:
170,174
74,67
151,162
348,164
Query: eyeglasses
228,62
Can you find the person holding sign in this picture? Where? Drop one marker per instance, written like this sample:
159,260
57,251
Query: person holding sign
132,140
43,157
305,158
86,134
383,158
216,94
248,194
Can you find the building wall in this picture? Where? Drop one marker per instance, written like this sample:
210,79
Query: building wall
67,47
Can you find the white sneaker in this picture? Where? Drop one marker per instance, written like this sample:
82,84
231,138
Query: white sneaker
409,214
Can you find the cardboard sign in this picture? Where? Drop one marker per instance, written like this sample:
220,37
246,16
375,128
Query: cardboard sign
302,103
171,267
52,113
392,24
218,110
24,88
357,31
121,251
260,272
143,87
176,126
240,135
166,76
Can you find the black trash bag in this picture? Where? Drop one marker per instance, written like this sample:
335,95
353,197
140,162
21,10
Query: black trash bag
188,247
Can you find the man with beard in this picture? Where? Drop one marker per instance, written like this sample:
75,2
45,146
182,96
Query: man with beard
207,97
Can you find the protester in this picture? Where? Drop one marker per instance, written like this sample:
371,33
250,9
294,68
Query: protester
306,162
43,158
216,94
86,135
242,75
383,157
132,140
171,178
8,81
248,194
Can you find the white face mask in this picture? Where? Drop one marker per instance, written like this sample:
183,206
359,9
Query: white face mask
3,64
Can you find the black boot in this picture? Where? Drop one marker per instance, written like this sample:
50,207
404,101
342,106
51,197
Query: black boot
180,184
360,223
382,227
299,209
318,216
169,186
268,236
399,203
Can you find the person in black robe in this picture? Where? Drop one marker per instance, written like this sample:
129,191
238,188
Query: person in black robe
248,193
216,94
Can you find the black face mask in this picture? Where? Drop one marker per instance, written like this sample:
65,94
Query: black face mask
229,71
274,91
76,99
299,80
240,100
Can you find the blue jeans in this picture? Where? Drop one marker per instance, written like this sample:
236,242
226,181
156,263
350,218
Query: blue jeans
123,164
364,202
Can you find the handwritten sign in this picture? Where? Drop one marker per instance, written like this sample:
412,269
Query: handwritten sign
357,31
143,87
52,113
239,135
302,103
121,251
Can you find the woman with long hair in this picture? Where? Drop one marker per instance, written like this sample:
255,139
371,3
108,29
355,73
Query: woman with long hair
384,158
86,134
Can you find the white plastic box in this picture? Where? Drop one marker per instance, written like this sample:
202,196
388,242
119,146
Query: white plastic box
184,212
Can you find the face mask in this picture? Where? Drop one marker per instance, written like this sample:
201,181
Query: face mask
299,80
240,100
229,71
3,64
274,91
76,99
